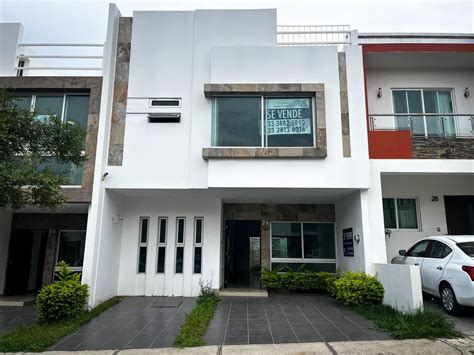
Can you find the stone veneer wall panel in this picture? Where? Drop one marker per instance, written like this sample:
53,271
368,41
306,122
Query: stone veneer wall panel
442,148
315,90
70,84
119,106
346,137
267,213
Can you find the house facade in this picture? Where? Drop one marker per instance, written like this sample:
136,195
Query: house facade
229,145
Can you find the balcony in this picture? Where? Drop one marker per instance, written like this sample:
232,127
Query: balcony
331,35
421,136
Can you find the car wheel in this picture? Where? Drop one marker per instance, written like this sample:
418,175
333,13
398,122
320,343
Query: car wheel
448,299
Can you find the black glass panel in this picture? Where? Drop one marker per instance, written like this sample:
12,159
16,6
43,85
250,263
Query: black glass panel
179,260
197,260
160,268
142,260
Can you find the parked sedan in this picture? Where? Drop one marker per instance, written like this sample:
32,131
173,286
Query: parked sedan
447,268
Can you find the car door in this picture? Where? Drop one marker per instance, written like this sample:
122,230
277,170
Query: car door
433,265
416,253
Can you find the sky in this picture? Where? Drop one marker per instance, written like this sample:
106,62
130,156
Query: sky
85,20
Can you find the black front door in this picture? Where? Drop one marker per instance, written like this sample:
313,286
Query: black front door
459,214
25,261
242,252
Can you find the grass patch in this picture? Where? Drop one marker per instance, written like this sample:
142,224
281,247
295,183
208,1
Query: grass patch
420,324
39,337
195,327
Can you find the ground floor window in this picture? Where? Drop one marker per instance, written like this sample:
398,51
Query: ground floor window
143,244
71,248
162,232
400,213
307,245
198,236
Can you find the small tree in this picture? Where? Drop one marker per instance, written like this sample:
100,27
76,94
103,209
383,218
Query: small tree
27,147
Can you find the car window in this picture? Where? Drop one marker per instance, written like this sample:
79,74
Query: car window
467,248
419,249
439,250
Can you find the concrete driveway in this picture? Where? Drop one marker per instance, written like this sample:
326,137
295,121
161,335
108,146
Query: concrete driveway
292,318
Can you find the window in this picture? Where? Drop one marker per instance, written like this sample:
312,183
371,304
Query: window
467,248
143,244
198,234
423,101
439,250
303,244
420,249
69,108
257,121
400,213
180,237
162,232
71,248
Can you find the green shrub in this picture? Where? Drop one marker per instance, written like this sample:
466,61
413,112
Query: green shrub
297,281
357,288
63,300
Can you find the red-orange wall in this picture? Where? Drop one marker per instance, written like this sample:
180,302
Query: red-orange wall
390,145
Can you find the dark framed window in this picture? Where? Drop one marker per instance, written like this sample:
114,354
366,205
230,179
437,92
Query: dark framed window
258,121
71,248
198,240
143,244
162,233
180,239
400,213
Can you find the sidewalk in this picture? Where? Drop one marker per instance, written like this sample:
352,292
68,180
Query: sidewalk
415,346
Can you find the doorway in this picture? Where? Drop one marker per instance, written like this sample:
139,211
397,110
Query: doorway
242,254
25,261
459,214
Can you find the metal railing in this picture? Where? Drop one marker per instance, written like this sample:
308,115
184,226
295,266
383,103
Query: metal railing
73,57
314,35
447,125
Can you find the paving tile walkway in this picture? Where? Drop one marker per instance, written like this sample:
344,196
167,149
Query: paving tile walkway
292,318
134,323
12,317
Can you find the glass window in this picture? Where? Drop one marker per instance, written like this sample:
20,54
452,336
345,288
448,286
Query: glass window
74,173
239,122
180,231
319,241
143,244
22,101
197,260
400,213
419,249
467,248
71,247
162,222
160,268
389,214
406,210
236,122
198,237
179,260
77,110
286,240
46,105
439,250
288,122
284,267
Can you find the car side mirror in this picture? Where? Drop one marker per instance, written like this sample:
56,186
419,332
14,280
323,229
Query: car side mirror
402,252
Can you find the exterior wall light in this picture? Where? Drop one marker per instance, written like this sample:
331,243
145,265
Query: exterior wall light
379,93
357,238
466,92
388,233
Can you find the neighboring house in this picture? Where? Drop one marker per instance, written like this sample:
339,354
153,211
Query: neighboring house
33,240
228,145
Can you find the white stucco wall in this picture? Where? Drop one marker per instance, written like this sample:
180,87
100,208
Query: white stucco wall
351,212
431,214
5,227
169,283
10,35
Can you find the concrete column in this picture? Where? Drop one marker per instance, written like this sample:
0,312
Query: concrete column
265,245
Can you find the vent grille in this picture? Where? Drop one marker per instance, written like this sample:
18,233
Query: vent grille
165,102
173,117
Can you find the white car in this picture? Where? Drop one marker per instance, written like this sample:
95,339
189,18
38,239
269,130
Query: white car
447,268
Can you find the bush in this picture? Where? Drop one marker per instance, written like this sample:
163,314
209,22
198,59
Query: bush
357,288
297,281
63,300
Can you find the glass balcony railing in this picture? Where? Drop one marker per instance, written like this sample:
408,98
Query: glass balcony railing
447,125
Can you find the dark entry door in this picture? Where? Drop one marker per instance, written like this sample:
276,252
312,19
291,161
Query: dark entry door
459,214
242,251
25,261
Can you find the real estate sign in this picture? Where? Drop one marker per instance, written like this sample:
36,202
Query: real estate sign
288,116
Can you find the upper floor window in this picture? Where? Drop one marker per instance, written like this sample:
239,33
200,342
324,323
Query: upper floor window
257,121
421,102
